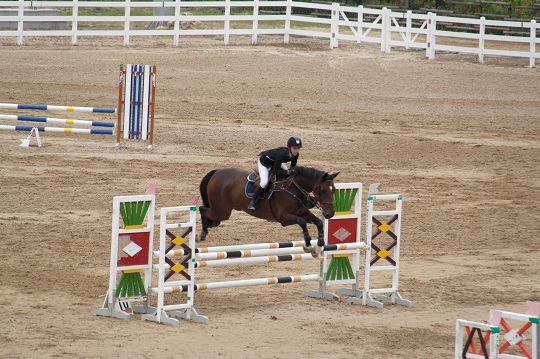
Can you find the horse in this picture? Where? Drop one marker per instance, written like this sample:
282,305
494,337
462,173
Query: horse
290,200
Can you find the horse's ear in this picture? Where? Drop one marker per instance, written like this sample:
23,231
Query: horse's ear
331,175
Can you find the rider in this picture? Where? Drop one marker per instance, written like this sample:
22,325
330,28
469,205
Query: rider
274,161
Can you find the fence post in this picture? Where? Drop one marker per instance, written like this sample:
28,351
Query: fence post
288,12
408,29
360,19
127,14
227,21
532,60
432,27
334,27
255,21
383,29
75,22
177,23
387,29
20,27
481,36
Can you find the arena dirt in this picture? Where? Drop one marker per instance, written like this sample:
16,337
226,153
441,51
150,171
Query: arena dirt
459,140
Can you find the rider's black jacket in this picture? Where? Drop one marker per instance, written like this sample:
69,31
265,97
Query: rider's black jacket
272,159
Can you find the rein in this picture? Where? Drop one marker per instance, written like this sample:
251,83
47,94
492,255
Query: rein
285,184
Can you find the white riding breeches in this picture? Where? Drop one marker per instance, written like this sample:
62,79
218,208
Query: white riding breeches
264,173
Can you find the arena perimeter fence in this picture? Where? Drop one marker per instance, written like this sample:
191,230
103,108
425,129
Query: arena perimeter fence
289,19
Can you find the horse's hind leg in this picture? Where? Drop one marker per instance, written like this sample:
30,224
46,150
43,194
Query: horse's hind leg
206,223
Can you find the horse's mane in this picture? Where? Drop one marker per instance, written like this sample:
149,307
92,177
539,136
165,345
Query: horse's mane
307,172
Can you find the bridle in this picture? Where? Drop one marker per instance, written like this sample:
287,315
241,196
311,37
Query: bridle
314,200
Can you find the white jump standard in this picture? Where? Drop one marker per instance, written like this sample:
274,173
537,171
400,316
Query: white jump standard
375,228
343,228
183,268
131,254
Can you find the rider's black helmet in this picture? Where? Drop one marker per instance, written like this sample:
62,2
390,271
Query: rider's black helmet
294,142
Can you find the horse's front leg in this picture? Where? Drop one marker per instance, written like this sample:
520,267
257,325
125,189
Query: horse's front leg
307,238
311,218
291,219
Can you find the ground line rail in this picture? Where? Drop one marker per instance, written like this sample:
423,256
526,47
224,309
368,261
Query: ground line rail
241,283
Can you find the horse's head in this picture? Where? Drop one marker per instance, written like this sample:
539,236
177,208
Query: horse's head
324,193
321,184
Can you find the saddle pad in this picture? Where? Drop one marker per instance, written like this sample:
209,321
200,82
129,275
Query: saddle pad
250,188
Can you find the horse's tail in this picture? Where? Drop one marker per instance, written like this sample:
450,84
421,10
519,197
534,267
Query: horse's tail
203,187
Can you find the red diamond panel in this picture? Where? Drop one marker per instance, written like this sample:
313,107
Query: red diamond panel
348,224
142,239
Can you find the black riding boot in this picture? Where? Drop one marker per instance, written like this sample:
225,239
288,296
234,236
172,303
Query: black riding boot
253,205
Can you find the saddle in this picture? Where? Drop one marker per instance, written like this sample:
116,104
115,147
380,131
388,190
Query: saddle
253,181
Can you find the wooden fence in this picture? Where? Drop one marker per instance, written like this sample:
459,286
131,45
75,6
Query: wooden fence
289,19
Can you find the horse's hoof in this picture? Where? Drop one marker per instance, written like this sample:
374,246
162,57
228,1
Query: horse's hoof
307,249
316,251
201,238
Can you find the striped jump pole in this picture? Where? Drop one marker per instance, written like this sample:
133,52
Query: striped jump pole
58,129
221,259
245,283
275,251
12,106
234,253
247,260
64,121
253,260
241,247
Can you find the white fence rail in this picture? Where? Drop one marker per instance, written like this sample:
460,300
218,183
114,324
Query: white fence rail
338,24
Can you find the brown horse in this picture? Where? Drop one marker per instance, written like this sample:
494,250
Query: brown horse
225,189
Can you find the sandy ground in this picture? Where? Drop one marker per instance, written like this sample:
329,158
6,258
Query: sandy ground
457,139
